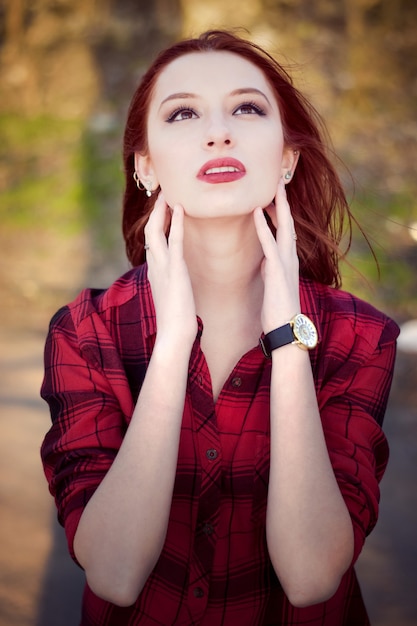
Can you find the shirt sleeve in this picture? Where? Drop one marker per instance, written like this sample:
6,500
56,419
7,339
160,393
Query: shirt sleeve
90,405
357,376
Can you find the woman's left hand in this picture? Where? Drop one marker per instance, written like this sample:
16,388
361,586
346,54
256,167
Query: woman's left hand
280,267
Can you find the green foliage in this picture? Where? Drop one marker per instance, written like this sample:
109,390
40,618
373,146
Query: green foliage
57,176
386,275
40,185
99,165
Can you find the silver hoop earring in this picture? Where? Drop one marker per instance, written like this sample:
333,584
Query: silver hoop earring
138,181
287,176
147,189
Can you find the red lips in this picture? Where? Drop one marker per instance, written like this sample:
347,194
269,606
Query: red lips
224,170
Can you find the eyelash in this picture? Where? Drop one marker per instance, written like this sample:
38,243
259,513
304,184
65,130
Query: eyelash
173,115
258,110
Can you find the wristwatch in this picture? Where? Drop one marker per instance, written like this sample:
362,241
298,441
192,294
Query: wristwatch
299,331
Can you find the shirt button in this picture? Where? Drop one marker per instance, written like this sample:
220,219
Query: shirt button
211,454
236,381
198,592
208,529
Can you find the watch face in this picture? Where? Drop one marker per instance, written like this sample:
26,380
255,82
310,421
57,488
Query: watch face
305,331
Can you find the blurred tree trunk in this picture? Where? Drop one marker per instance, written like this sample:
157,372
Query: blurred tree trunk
169,17
201,15
13,22
355,15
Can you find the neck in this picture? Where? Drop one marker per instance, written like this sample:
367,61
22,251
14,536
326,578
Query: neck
224,258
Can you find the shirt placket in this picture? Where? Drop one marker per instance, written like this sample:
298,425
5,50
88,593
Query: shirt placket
210,459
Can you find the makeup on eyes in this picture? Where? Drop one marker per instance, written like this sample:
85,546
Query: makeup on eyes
254,104
255,109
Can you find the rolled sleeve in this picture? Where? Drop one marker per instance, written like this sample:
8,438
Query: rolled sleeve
352,406
90,405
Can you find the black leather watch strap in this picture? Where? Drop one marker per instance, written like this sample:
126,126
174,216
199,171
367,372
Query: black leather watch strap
276,339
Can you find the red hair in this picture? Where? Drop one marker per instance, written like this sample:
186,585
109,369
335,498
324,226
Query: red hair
315,194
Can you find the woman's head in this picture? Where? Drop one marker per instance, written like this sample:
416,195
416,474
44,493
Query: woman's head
215,141
315,194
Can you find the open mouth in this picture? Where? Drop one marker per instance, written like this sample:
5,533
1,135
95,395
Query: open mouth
219,170
223,170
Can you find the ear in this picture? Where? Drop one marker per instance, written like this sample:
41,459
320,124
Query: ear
289,163
146,172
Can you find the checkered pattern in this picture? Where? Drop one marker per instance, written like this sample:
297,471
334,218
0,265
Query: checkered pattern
214,568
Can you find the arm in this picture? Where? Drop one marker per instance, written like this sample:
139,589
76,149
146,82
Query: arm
309,530
352,405
122,528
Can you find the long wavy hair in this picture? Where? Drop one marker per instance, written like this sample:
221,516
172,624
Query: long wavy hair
315,193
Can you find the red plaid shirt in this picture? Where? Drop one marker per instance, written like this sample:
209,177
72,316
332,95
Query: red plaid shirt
214,568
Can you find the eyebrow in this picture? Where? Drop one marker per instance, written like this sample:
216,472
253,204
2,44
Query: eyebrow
245,90
183,95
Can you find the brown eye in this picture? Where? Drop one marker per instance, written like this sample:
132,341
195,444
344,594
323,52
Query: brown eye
180,114
249,108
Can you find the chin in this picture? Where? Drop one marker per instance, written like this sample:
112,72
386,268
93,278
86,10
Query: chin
224,207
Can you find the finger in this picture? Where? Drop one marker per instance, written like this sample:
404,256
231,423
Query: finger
272,214
176,234
157,225
265,235
285,221
157,217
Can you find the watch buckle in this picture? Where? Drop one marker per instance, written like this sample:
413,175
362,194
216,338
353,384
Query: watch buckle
264,350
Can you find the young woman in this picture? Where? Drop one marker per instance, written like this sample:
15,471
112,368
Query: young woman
216,444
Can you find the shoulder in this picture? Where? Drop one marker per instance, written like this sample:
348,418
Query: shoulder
102,324
355,356
101,339
111,302
341,313
127,289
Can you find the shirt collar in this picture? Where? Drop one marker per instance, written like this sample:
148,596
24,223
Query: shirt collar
308,298
147,316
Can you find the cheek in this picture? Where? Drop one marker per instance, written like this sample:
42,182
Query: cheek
273,160
269,177
165,170
175,170
271,168
171,180
168,159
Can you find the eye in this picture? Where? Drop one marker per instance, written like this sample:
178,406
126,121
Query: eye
249,108
182,113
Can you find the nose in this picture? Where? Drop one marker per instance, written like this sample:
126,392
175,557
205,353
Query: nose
218,133
212,143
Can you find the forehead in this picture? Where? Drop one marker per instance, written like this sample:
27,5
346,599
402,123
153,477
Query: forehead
199,72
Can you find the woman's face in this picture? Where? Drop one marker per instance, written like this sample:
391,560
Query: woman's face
215,138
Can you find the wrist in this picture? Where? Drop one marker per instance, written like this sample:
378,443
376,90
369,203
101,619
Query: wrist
174,347
299,331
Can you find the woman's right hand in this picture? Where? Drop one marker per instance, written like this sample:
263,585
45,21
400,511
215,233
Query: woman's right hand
168,275
128,513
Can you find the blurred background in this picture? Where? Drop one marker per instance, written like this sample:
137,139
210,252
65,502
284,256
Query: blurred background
67,71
